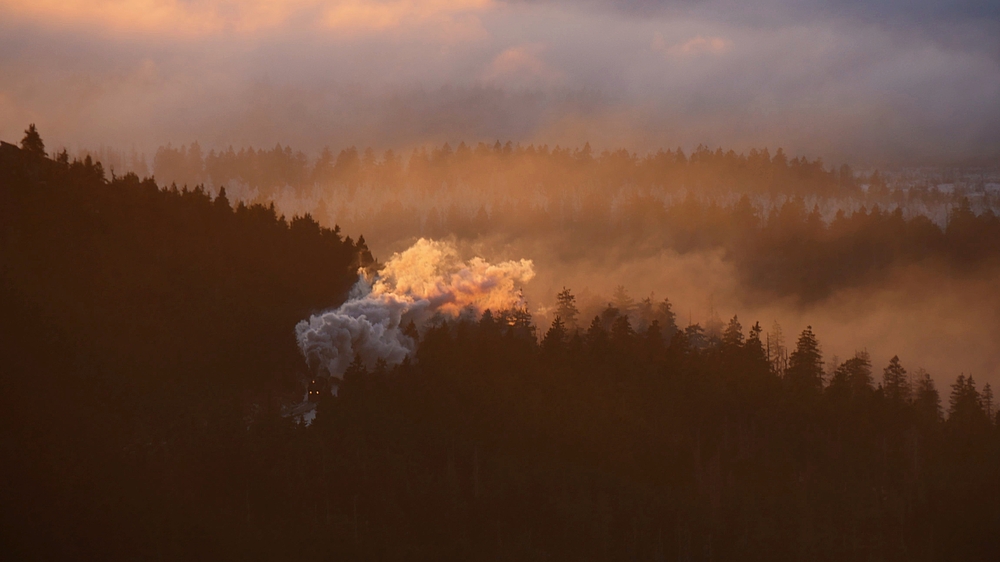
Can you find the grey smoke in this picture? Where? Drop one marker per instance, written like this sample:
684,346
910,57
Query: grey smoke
427,279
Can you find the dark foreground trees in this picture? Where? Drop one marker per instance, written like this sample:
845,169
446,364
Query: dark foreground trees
148,338
140,328
612,445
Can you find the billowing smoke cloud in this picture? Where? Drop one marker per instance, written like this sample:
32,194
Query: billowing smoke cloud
427,280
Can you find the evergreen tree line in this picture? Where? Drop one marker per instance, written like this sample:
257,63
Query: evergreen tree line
790,251
791,226
607,442
139,320
148,346
468,166
551,170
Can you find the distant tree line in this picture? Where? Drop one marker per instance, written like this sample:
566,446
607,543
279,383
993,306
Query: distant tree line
792,227
790,251
522,170
443,168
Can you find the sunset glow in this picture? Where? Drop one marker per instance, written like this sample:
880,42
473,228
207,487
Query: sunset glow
421,280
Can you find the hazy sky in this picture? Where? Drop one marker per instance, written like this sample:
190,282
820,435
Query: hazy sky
866,82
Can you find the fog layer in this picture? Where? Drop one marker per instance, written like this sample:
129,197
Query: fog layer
896,264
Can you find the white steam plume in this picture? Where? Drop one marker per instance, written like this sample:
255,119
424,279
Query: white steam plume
428,278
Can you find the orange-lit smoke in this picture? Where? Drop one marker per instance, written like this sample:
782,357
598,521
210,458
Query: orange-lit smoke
427,279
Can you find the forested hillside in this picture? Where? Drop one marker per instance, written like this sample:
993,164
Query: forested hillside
148,344
140,323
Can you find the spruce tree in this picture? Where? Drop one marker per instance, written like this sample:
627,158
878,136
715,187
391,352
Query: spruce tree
966,405
623,301
805,365
555,338
894,382
32,141
853,378
926,399
987,396
566,308
668,320
732,336
754,347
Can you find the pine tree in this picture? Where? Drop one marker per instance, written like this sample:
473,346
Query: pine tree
622,333
609,315
365,258
754,347
654,339
555,338
597,336
714,327
694,335
222,202
777,355
356,369
32,141
667,318
566,308
926,400
645,313
894,382
411,331
521,320
966,404
859,373
623,301
853,378
732,337
680,344
805,365
988,406
354,378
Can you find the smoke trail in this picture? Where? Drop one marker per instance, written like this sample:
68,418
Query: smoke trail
427,279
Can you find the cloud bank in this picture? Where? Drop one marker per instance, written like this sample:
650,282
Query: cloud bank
861,82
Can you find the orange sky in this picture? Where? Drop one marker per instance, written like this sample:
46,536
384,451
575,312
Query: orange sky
878,83
197,18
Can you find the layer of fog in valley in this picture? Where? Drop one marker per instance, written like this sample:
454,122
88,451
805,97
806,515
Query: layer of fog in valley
873,260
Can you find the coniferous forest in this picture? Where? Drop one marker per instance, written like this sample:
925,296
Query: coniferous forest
149,358
791,226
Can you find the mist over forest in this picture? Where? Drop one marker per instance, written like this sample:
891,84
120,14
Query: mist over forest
434,280
868,258
193,369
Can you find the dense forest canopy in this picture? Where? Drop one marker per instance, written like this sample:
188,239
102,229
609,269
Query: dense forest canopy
150,363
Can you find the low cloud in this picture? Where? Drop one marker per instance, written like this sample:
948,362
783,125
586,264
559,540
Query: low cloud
694,46
212,17
400,73
522,66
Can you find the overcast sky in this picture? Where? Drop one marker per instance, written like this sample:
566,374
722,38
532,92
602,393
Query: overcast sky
905,82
